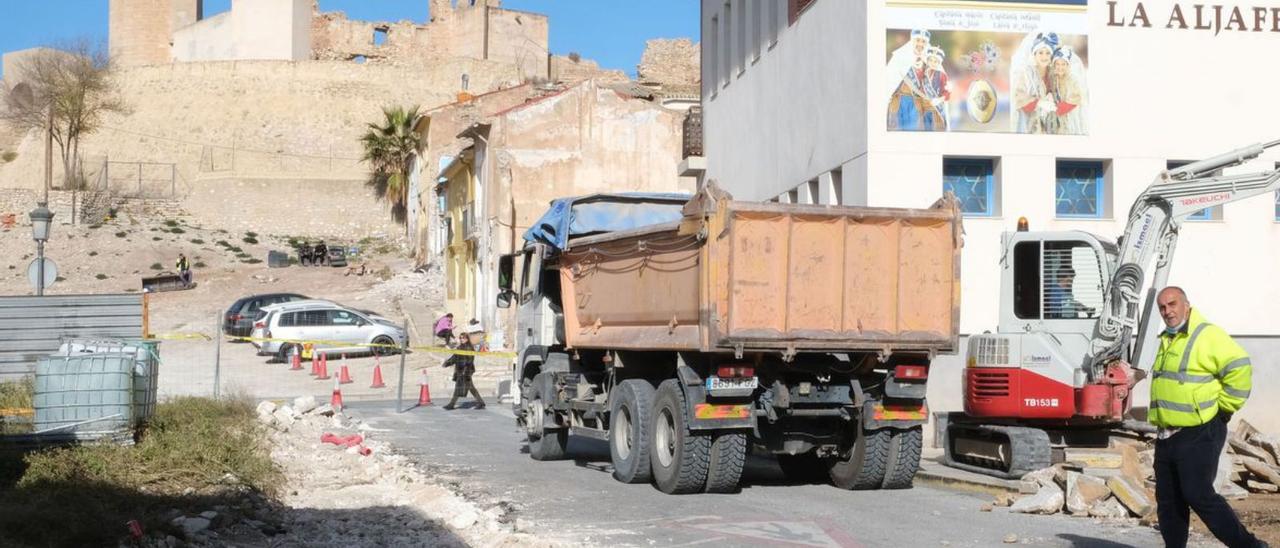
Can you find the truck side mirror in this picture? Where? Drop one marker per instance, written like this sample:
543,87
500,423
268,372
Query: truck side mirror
504,298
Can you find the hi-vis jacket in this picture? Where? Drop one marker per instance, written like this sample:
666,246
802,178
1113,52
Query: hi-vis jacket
1198,372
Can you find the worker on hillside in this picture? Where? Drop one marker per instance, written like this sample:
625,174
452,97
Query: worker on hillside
463,368
1199,379
184,269
321,254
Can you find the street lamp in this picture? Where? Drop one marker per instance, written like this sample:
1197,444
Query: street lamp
41,219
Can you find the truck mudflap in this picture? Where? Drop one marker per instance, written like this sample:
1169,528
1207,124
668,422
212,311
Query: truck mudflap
714,413
878,414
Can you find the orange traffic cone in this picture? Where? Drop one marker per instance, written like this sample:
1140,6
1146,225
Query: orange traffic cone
345,376
336,400
315,365
377,374
297,361
323,372
424,391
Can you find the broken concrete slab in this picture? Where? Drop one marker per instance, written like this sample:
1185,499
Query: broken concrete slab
1133,496
1263,470
1270,443
1044,476
1241,447
304,404
1095,458
1048,500
1103,473
1109,508
1084,491
1132,466
266,408
1260,487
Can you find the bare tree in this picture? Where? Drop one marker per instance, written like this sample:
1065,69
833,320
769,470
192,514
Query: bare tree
75,80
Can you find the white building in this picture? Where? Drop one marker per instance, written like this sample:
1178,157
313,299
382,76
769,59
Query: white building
819,101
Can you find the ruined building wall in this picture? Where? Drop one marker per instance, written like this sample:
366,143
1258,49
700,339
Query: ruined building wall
566,69
671,62
520,38
252,30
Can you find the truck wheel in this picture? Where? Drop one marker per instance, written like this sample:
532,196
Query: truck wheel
802,468
544,443
864,467
904,458
728,455
679,455
630,415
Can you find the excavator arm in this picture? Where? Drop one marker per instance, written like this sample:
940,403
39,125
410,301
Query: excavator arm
1152,233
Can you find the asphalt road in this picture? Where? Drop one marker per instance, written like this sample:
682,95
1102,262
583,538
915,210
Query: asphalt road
578,501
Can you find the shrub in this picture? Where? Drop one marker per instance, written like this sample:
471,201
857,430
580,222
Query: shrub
177,230
170,223
251,261
156,266
121,234
101,276
93,253
197,241
156,238
200,264
8,156
250,240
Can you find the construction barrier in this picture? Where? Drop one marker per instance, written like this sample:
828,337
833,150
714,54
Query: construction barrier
316,343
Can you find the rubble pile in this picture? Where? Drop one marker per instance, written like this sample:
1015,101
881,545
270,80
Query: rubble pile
344,489
1118,482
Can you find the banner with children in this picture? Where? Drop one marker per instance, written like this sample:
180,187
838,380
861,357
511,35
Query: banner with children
1011,66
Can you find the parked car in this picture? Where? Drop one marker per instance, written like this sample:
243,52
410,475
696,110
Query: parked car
337,256
238,320
340,329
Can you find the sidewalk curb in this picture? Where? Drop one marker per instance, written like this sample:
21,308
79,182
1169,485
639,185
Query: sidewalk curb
953,483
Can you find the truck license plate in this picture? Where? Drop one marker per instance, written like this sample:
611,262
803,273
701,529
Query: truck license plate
721,383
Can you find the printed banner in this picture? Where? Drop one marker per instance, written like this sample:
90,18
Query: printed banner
989,66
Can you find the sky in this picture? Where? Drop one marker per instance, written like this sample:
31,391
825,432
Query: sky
611,32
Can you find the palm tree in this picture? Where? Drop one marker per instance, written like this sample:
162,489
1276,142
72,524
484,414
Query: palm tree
389,149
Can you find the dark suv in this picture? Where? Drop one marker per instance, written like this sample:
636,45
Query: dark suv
238,320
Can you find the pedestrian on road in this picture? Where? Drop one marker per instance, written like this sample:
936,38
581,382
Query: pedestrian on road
464,366
1200,378
444,328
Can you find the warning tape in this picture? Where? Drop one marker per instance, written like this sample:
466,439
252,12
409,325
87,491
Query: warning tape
431,349
16,411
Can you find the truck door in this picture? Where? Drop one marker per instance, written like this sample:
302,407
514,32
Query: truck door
529,314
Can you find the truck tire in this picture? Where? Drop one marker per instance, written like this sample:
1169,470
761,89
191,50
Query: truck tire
630,415
865,465
904,458
727,457
803,468
679,456
549,443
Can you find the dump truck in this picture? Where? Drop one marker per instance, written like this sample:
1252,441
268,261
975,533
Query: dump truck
686,331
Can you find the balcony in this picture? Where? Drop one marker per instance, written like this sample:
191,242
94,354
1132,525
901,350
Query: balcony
693,132
470,228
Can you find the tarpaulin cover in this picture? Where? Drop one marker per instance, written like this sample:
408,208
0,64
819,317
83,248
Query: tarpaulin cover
597,213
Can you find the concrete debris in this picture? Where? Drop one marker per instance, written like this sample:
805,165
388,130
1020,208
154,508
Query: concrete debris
1262,470
1109,509
266,408
1003,500
1046,501
325,410
1259,487
1134,497
1103,472
1043,477
1084,491
1270,443
1095,458
192,526
1011,538
304,404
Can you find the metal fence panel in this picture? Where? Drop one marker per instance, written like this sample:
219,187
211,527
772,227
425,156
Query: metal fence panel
31,327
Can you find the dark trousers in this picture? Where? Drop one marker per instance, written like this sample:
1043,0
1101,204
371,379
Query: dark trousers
460,388
1186,464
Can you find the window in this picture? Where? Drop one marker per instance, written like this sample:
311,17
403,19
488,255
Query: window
1080,192
836,186
713,56
726,47
380,36
743,32
1213,213
973,182
343,318
758,18
1056,280
777,13
731,58
811,188
795,8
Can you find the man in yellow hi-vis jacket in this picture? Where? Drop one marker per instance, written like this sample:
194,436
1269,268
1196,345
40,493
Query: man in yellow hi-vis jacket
1199,379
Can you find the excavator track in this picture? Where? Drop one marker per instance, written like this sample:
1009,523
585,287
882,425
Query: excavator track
1008,452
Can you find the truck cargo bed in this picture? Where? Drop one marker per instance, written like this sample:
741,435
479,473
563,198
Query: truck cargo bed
763,276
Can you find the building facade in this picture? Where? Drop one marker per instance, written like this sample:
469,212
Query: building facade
1060,111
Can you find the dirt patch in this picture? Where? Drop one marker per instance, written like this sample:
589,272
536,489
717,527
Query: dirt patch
1260,514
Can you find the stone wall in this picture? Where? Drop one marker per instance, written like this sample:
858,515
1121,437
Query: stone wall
566,69
140,31
671,62
253,118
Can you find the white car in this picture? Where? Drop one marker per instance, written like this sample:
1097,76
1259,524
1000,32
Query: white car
335,328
